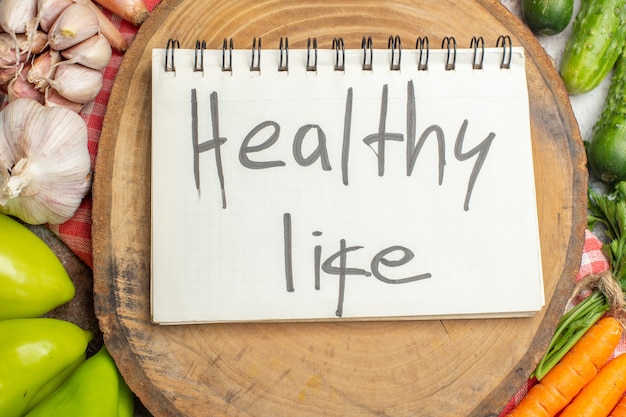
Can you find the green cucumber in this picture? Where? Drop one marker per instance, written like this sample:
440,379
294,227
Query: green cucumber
606,152
547,17
595,43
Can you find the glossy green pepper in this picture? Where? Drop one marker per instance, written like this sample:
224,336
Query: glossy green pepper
33,280
95,389
36,355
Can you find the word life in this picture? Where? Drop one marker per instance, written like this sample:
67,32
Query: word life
337,264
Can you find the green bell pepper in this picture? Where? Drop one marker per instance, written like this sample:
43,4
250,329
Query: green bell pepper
36,355
95,389
33,280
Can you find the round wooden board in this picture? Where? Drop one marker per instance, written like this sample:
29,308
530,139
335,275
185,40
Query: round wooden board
406,368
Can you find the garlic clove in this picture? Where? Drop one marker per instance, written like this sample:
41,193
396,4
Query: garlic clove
75,24
48,170
11,53
77,83
37,43
49,10
52,99
20,87
6,75
43,69
94,52
8,57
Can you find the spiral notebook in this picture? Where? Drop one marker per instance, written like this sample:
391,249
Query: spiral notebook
336,183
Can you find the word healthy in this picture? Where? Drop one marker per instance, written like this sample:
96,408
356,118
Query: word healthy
377,141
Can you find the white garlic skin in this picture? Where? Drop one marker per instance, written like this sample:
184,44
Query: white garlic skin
45,166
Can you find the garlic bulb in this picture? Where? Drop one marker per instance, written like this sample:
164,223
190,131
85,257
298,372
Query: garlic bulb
44,162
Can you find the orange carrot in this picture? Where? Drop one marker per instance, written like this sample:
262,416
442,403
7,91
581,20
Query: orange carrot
133,11
598,398
579,366
620,408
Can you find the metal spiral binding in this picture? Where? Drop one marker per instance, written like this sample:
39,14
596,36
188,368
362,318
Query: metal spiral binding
283,65
422,45
394,44
449,43
312,67
340,54
198,58
476,43
255,62
227,59
169,54
396,52
504,41
368,53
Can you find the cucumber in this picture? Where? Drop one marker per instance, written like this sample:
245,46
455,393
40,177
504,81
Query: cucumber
606,152
594,45
547,17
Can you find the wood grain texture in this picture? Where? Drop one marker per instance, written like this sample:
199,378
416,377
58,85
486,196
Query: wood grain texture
385,368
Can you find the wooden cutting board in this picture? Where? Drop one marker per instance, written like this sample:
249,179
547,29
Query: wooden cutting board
382,368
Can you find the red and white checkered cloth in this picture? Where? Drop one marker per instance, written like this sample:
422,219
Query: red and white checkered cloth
76,233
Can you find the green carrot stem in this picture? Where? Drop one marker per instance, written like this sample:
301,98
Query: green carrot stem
572,326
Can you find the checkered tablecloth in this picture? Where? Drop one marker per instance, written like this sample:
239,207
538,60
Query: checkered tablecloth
76,233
